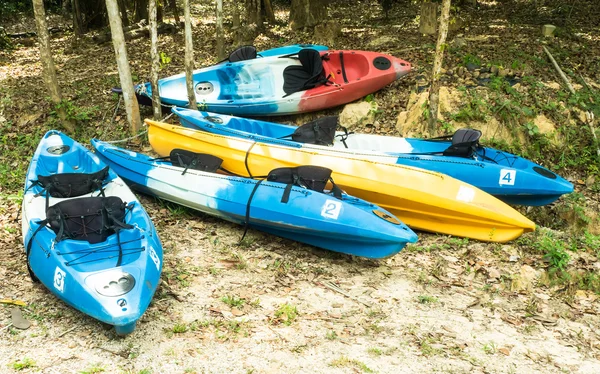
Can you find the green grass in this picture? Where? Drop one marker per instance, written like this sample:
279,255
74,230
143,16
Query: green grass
426,299
23,364
286,313
94,369
233,301
345,361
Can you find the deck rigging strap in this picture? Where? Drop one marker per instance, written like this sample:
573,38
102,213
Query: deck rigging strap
343,68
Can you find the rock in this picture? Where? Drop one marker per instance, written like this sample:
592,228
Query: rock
461,71
382,41
472,66
503,72
358,114
327,32
494,69
590,181
458,42
553,85
525,280
548,30
493,273
476,74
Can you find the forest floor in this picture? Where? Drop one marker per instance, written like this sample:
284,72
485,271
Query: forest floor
272,305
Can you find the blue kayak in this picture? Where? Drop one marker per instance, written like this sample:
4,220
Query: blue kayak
511,178
244,53
336,222
86,236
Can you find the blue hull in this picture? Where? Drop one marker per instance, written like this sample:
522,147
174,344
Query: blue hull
350,225
510,178
81,274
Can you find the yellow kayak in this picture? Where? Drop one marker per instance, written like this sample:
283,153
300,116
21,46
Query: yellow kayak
424,200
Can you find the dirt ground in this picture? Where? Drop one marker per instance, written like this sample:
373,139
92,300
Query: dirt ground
270,305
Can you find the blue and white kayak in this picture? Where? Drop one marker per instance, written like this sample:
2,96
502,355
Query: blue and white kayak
348,225
87,237
144,90
510,178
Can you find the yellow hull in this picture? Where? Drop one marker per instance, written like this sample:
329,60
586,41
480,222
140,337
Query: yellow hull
424,200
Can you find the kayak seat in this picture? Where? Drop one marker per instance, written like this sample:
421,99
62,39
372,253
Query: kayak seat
72,184
197,161
311,177
243,53
320,131
308,75
92,219
464,143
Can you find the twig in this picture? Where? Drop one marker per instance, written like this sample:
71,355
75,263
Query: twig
68,331
560,72
590,120
6,327
335,288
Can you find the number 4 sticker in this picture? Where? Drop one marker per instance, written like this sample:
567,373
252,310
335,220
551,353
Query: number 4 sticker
507,177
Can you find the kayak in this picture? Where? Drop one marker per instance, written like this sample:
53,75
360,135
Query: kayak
86,236
422,199
305,81
144,91
338,223
510,178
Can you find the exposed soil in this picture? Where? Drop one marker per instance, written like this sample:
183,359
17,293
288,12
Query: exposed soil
271,305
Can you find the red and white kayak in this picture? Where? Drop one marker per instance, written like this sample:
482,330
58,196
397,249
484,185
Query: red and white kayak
305,81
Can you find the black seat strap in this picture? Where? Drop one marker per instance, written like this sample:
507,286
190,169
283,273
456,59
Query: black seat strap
343,68
41,224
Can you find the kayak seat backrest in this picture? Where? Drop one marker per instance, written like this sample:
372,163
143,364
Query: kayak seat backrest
72,184
243,53
197,161
464,143
320,131
311,177
308,75
92,219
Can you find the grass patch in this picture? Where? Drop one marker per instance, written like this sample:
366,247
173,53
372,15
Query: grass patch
286,314
233,301
426,299
23,364
94,369
345,361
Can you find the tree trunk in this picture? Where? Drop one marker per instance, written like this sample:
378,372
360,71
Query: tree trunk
189,56
307,13
173,4
235,15
253,14
269,15
49,70
123,10
159,11
77,22
155,59
428,19
434,91
220,36
131,104
141,10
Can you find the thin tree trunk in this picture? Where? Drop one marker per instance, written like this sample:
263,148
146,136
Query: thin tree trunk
189,56
77,22
116,29
235,16
123,10
141,10
48,64
220,36
155,61
434,91
159,11
269,12
173,4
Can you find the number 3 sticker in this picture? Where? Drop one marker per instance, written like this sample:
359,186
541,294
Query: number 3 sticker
59,279
331,209
507,177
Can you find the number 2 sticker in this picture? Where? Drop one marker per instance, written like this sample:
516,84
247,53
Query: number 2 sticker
331,209
507,177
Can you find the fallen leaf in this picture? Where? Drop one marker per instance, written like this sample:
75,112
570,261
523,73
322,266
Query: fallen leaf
505,351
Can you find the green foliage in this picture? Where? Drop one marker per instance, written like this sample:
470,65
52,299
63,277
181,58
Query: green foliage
94,369
25,363
73,112
286,313
426,299
474,109
233,301
554,251
164,60
179,328
471,59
